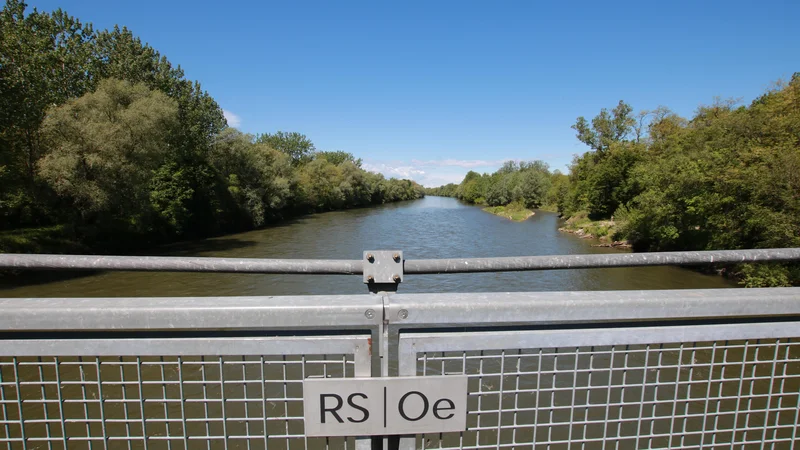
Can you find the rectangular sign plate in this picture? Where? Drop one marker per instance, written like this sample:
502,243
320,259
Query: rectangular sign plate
381,406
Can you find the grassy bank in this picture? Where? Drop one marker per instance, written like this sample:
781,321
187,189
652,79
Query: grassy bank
606,231
54,239
549,207
611,234
512,211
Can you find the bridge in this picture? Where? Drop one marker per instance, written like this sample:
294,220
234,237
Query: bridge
708,368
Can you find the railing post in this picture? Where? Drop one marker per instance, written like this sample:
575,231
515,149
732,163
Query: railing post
383,273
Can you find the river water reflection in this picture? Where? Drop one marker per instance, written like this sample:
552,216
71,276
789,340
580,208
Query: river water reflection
433,227
545,381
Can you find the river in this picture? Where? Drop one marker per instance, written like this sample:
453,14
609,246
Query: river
433,227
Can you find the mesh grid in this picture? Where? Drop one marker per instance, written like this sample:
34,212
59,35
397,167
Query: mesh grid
138,402
726,394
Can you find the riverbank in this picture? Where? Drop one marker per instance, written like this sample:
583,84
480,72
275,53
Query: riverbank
53,239
429,228
512,211
68,239
606,231
609,233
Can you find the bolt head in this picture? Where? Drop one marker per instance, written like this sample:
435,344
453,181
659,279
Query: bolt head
396,278
403,314
370,257
370,313
370,279
396,257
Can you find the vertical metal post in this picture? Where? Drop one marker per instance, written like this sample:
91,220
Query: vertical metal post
362,360
383,273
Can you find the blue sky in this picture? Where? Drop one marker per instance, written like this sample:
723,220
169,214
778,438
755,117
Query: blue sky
430,90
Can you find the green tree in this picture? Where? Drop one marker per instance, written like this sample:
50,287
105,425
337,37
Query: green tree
606,128
101,132
320,185
599,179
472,188
534,185
726,179
44,61
299,148
258,178
104,147
339,157
558,194
500,190
120,54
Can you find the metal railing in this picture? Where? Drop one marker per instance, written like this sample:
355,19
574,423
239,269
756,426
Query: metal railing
420,266
647,369
712,368
175,373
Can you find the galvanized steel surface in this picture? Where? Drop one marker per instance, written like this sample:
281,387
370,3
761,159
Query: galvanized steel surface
678,369
680,393
572,381
510,264
191,313
172,394
520,308
181,264
383,266
422,266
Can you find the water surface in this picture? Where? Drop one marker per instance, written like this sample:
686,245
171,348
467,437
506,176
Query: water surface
433,227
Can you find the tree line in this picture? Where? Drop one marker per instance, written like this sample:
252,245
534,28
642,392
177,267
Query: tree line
530,184
726,178
104,139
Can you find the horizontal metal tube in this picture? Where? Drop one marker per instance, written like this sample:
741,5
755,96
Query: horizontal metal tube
190,313
518,263
181,264
421,266
584,307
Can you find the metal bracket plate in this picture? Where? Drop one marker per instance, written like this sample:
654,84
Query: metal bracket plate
383,266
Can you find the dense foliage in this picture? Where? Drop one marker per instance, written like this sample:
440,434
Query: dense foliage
529,184
728,178
102,136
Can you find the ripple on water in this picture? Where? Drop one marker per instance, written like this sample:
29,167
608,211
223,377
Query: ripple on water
433,227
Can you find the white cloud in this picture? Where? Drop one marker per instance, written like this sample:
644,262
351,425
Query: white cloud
465,163
440,179
394,171
435,172
430,173
233,120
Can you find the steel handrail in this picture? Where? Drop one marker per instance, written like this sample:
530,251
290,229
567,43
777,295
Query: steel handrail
421,266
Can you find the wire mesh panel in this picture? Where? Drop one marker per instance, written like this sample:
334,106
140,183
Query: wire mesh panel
160,394
587,392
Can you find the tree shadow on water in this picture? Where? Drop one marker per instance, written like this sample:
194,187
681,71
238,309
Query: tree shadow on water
192,248
14,278
10,279
206,247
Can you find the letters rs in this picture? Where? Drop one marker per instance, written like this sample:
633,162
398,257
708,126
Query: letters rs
339,402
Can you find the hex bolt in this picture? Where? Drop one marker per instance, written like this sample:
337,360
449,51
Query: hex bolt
403,314
396,257
370,313
396,278
370,279
370,257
